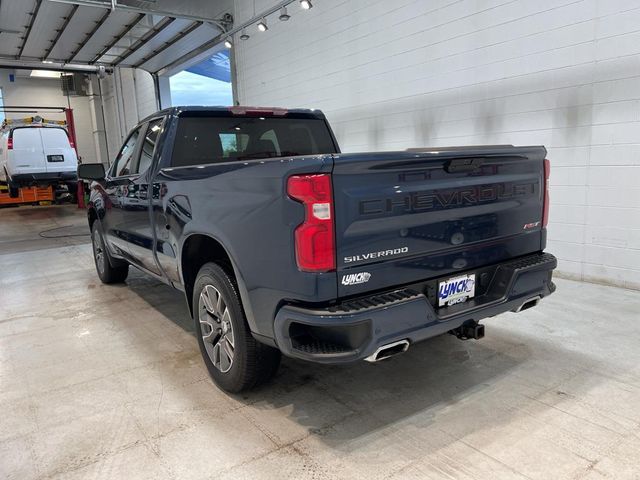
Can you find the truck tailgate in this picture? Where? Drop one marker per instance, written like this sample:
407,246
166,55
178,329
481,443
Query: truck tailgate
404,217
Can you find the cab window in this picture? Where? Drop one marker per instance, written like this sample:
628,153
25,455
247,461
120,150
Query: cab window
148,146
123,164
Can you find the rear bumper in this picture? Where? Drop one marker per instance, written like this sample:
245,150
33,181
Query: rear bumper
356,329
44,177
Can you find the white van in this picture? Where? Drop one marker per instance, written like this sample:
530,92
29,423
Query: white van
36,155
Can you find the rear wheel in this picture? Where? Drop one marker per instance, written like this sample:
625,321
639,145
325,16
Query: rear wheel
235,360
107,272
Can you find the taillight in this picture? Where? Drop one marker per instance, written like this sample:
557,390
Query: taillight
315,237
9,143
72,144
545,208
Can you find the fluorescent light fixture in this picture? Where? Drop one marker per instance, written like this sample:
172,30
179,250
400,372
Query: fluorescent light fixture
262,25
44,74
284,16
228,43
306,4
243,35
47,61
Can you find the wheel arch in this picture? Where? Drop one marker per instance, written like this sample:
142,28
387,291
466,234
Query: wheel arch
198,249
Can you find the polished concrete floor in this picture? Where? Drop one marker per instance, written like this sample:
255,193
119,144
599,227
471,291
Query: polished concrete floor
106,382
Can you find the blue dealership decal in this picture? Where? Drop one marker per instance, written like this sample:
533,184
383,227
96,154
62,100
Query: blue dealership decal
464,285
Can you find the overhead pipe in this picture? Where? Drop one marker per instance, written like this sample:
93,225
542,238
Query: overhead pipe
114,5
33,63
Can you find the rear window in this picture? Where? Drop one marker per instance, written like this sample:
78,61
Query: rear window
25,137
55,138
52,137
204,140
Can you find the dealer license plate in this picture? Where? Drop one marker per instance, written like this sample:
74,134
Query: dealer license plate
456,290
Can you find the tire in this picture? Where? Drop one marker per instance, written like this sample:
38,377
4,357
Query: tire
14,190
107,272
73,191
236,361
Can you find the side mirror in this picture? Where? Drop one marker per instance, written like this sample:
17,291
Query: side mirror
91,171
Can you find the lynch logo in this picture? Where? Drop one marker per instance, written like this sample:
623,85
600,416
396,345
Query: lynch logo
356,278
372,255
424,201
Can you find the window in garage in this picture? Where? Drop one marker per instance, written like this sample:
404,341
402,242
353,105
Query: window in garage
206,83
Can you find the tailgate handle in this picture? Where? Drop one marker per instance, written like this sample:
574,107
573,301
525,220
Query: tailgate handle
456,165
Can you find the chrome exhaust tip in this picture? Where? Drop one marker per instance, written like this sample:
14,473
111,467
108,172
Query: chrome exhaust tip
531,302
388,350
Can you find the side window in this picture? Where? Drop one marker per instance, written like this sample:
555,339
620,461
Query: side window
122,164
148,146
269,142
233,144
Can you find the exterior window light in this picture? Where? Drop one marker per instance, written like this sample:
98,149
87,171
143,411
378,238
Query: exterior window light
284,16
306,4
262,25
228,43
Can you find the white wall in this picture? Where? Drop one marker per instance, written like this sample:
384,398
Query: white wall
46,92
128,96
562,73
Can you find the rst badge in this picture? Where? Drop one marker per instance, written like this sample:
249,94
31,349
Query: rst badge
356,278
456,290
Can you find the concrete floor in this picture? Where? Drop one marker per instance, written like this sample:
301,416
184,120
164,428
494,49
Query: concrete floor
106,382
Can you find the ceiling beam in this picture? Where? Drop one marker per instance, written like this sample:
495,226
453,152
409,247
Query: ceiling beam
127,28
67,19
34,14
176,38
161,25
89,35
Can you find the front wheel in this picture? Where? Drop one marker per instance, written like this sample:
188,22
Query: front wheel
14,190
107,272
235,360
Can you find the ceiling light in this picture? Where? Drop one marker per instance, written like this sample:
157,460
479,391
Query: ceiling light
228,43
47,61
262,25
44,74
284,16
306,4
243,35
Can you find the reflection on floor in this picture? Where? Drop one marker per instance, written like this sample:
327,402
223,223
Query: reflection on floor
106,382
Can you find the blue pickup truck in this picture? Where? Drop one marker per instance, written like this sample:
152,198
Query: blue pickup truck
284,245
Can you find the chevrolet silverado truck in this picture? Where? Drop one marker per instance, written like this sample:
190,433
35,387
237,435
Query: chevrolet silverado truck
283,245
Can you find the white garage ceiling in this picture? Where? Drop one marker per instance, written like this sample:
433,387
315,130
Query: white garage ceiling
128,33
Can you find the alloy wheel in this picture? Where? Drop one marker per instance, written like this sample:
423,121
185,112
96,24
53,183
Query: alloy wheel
216,328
